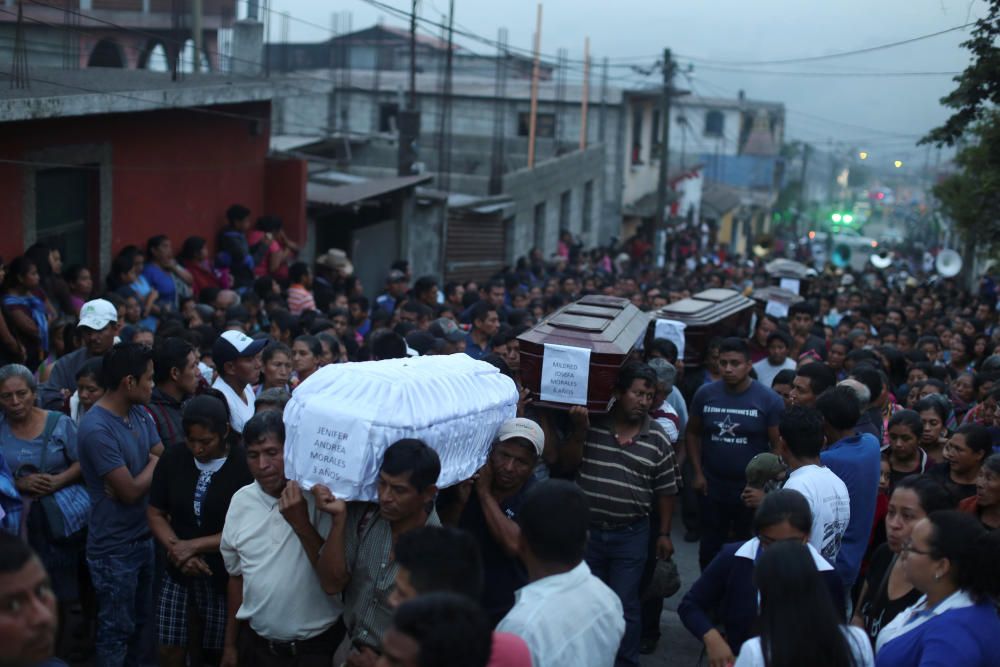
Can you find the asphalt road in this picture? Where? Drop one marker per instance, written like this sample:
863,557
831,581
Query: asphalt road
677,647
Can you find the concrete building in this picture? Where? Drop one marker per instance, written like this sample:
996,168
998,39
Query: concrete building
387,48
129,34
95,159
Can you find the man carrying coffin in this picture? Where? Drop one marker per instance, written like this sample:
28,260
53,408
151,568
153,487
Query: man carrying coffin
487,507
624,462
357,558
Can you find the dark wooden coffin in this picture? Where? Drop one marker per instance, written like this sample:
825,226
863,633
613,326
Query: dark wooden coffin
787,268
609,326
764,294
707,315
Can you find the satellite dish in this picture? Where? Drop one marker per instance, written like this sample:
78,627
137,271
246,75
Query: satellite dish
948,263
882,260
841,256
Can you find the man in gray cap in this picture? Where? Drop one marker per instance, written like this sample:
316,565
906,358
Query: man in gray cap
396,285
488,507
450,333
663,412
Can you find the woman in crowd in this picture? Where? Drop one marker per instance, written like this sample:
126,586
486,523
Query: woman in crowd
766,326
951,559
52,287
194,258
961,348
985,505
789,582
276,368
26,311
904,453
81,287
272,246
188,500
885,591
963,395
933,412
40,449
333,350
306,354
88,389
164,273
964,454
726,590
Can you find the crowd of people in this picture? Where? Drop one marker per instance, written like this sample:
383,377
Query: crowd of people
837,466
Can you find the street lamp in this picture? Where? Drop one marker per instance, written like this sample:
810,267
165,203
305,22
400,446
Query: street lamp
863,155
898,163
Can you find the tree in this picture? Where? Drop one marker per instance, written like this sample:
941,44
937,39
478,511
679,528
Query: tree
978,89
971,196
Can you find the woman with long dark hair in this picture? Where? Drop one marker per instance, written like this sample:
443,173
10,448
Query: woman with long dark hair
26,311
885,591
725,594
950,558
799,624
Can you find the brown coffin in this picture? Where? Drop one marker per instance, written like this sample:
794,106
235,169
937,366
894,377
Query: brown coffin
709,314
610,327
787,268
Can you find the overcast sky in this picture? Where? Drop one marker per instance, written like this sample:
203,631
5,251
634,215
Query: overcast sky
735,31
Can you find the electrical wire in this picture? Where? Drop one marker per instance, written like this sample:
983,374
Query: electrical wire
830,56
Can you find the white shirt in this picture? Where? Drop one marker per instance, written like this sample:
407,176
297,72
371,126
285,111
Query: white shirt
766,372
239,412
752,656
282,596
668,424
830,504
568,619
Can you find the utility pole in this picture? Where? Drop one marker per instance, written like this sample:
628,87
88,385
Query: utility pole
661,186
413,56
802,189
535,73
584,103
444,130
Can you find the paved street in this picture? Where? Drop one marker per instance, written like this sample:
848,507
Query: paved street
677,646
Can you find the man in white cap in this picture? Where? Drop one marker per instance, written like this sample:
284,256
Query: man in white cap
98,327
487,507
237,362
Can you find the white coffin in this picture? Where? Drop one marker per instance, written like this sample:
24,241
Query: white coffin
340,421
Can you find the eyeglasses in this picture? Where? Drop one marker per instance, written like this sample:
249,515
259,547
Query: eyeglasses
908,549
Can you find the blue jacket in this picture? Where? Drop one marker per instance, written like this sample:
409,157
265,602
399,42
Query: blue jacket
725,590
964,637
855,460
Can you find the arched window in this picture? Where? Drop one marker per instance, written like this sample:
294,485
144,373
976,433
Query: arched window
715,124
157,60
106,54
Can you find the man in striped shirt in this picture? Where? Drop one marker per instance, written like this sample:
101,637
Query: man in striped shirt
624,463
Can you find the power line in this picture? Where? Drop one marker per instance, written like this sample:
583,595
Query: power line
815,74
829,56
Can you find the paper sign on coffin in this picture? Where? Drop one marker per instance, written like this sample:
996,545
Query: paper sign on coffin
341,420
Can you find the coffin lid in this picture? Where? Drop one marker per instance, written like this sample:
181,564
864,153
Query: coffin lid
706,307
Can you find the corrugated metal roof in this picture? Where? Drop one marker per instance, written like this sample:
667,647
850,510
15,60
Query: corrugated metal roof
344,195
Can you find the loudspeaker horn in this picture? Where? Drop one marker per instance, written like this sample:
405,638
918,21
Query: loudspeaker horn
881,260
841,256
948,263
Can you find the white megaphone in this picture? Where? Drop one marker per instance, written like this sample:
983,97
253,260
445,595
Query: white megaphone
881,260
948,263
